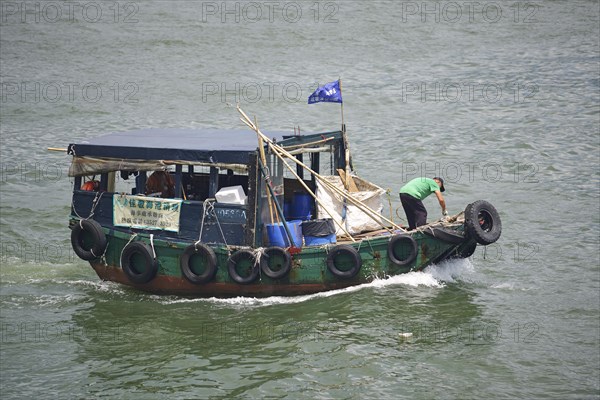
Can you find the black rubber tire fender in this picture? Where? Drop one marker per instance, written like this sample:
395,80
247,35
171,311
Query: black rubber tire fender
232,264
98,238
354,256
268,254
200,250
150,264
445,235
409,242
466,250
482,222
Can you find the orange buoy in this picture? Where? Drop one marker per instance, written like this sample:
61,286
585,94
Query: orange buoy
90,186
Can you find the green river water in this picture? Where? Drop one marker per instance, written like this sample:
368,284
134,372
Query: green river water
501,99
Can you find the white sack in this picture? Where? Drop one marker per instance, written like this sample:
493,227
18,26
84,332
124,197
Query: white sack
356,221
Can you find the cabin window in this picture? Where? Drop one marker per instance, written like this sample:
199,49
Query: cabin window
143,183
87,183
197,182
94,183
202,182
126,181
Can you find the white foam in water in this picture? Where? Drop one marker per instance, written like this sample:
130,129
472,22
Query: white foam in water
52,300
432,276
451,270
101,286
414,279
509,286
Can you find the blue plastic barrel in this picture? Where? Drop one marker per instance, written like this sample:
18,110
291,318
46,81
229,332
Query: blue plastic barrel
295,227
302,204
287,209
278,237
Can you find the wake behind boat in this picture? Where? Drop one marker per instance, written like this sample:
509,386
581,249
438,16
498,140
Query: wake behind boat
211,213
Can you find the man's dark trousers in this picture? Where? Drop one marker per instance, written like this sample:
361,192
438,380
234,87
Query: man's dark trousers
414,209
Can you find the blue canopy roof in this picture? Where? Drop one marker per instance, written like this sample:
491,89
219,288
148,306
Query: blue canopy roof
202,145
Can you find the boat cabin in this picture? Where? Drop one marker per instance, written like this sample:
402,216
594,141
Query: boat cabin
191,184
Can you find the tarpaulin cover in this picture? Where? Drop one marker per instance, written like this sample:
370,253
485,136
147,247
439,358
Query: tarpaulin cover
87,166
206,145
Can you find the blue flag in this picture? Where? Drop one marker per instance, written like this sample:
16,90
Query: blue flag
330,93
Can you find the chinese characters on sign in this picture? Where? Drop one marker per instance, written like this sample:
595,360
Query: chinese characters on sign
146,213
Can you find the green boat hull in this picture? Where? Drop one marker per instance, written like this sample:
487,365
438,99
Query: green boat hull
308,273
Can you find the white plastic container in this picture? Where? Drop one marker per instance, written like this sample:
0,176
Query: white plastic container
231,195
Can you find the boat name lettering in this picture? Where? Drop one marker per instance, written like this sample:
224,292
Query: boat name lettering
229,213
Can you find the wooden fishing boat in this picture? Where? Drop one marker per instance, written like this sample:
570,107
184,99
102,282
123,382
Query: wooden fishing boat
211,213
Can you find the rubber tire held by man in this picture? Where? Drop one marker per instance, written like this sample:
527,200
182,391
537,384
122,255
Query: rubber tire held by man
482,222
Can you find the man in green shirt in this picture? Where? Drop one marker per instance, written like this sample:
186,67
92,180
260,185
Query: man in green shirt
416,190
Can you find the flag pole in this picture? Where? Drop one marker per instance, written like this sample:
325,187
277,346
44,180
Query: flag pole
342,107
347,178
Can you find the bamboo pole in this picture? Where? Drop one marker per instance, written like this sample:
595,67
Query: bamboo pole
270,194
361,206
249,123
313,194
295,146
263,160
279,210
377,217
